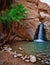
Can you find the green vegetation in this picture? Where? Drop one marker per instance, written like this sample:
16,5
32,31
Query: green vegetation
15,14
11,16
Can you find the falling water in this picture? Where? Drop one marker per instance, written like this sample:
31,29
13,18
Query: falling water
41,33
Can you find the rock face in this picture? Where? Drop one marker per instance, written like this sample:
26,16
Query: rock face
37,11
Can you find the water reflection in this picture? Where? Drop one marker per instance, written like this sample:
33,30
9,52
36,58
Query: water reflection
32,47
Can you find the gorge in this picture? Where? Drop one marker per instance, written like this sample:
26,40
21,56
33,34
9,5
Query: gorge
37,11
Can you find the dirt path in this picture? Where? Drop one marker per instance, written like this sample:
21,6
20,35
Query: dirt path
7,59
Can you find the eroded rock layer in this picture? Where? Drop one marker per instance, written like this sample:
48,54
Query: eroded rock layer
37,12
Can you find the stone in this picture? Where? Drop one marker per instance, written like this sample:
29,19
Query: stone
22,58
20,49
47,63
39,59
15,56
19,55
25,57
27,60
32,59
14,53
42,61
10,49
5,48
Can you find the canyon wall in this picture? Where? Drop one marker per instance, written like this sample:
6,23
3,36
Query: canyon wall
37,12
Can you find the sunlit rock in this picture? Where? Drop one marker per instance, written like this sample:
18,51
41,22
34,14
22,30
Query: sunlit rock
19,55
32,58
27,60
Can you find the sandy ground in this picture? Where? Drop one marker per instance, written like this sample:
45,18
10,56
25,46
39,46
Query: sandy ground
7,59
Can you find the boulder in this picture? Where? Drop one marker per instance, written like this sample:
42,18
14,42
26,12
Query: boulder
32,58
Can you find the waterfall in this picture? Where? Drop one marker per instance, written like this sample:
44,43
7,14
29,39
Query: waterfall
41,37
41,29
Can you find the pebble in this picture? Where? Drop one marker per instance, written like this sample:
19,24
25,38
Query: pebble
39,59
15,56
27,60
42,61
5,48
25,57
20,49
19,55
10,49
14,53
22,58
32,59
47,62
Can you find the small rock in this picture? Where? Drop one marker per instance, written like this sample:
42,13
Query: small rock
42,61
32,58
47,62
25,57
5,48
15,56
39,59
10,49
49,59
20,49
22,58
10,52
14,53
27,60
19,55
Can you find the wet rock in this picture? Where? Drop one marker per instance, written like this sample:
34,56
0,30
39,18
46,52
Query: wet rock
32,58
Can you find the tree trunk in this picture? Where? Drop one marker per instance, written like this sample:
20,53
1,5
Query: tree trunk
5,4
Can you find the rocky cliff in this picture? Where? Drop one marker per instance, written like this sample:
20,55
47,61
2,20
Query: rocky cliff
38,12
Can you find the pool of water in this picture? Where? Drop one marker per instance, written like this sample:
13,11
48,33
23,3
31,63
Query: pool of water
32,47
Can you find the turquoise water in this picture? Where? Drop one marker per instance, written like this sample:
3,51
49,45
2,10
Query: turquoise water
32,47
